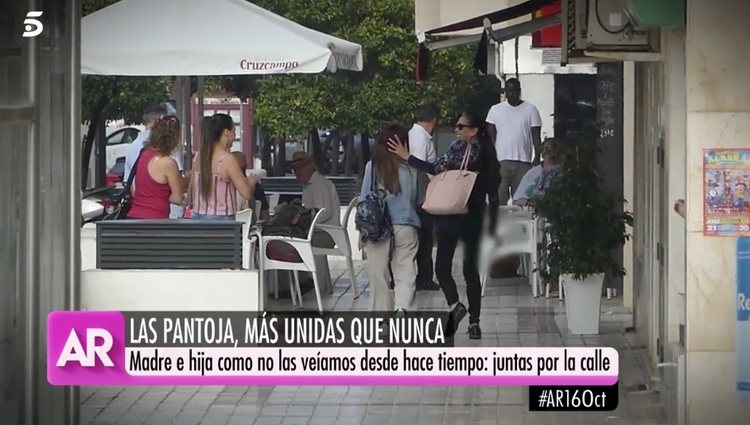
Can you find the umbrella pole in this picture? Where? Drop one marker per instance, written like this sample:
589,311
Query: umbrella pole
199,114
183,111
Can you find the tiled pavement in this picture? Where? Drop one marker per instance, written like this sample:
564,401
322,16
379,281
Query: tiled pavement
510,317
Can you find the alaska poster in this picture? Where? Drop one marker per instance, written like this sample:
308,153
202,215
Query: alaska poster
726,207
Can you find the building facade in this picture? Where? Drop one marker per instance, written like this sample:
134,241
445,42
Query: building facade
40,168
689,96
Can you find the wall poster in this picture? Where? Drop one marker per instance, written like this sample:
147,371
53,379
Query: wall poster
726,202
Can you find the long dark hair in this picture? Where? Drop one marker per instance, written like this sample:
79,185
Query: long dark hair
489,167
211,132
384,162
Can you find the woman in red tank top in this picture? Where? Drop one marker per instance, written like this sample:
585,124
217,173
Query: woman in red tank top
157,180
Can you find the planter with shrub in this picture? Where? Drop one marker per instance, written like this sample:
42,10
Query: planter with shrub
584,226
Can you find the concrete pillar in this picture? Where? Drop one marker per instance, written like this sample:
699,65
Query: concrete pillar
673,306
628,171
718,115
40,213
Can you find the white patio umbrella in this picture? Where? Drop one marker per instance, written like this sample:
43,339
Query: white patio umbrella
205,37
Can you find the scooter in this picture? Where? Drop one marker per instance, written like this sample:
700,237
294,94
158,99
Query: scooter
96,203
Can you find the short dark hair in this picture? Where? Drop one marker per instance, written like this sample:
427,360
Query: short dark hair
427,112
512,81
153,112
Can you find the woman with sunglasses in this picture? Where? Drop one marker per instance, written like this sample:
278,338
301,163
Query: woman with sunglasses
471,135
157,181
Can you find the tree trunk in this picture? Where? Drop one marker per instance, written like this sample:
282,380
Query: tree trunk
265,155
88,142
325,165
101,153
317,151
365,150
280,157
335,154
349,153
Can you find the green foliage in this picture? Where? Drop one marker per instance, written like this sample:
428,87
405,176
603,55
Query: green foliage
128,96
292,105
584,224
90,6
385,92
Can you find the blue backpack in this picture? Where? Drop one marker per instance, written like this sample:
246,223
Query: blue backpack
374,222
372,218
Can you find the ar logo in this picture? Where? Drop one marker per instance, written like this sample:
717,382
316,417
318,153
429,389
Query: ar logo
73,351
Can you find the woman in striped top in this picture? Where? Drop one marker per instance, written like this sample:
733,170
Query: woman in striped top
218,177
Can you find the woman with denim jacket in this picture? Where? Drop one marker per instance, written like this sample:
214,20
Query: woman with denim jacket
400,184
467,227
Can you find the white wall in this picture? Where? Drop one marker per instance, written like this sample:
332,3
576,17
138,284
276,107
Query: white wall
170,290
431,14
718,116
539,90
530,60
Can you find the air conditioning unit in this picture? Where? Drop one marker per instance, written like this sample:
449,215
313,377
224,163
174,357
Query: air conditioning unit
604,29
609,27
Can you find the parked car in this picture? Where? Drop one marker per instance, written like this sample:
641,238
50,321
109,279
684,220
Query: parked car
95,203
118,142
357,151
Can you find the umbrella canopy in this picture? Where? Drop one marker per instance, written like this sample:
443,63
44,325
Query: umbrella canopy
205,37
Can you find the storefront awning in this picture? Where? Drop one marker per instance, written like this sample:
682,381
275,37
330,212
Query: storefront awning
499,16
445,36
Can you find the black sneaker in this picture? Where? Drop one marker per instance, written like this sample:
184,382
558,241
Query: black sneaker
428,286
455,317
474,331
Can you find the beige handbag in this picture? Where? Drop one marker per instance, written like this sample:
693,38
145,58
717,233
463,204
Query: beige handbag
449,191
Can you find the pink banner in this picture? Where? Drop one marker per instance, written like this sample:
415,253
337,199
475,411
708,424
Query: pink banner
90,349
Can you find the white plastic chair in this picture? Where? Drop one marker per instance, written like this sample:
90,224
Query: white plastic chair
343,248
248,244
518,235
305,251
508,209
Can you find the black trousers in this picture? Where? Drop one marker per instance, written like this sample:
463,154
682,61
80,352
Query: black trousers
424,253
450,230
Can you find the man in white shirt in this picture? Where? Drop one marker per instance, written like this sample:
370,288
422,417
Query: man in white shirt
422,146
318,192
150,117
515,125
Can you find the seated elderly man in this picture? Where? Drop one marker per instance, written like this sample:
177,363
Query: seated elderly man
538,178
318,192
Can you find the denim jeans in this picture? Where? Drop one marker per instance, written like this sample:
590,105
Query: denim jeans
212,217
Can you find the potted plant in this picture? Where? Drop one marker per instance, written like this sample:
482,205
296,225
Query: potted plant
584,227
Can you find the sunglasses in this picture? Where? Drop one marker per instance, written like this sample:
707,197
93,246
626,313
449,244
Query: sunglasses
170,118
462,126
